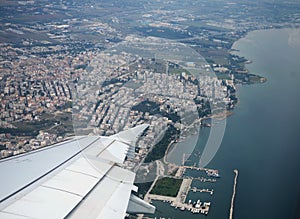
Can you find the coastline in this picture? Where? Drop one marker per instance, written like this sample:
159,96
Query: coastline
237,211
227,113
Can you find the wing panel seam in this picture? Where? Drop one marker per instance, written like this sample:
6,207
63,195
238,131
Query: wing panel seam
11,213
61,190
105,148
86,174
24,187
99,181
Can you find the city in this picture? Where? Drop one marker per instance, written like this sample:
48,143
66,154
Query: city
100,67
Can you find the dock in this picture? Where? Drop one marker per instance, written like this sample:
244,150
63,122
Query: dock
198,208
194,189
202,179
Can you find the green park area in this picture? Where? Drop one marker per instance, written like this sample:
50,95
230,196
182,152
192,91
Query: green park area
167,187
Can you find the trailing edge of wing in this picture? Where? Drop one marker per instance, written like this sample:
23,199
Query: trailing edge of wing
109,198
115,147
137,205
107,149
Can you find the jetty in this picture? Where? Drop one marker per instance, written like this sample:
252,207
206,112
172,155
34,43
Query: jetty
233,193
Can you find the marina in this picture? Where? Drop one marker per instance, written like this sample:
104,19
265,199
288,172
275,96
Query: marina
196,206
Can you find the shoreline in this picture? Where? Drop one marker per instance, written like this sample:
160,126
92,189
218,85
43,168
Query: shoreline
217,116
234,191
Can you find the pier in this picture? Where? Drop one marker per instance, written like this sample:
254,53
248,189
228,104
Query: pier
233,194
210,173
194,189
202,179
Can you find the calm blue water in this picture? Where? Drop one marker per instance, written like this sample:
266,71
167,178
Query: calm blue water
262,138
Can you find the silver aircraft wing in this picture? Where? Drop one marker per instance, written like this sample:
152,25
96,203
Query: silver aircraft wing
78,178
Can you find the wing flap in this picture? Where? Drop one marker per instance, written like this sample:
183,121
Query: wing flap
137,205
47,203
61,193
6,215
109,199
117,204
72,182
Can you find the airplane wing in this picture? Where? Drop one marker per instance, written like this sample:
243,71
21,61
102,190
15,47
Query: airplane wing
79,178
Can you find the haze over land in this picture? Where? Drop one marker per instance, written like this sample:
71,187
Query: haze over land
98,67
47,46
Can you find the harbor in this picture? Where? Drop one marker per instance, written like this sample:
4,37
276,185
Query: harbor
197,206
